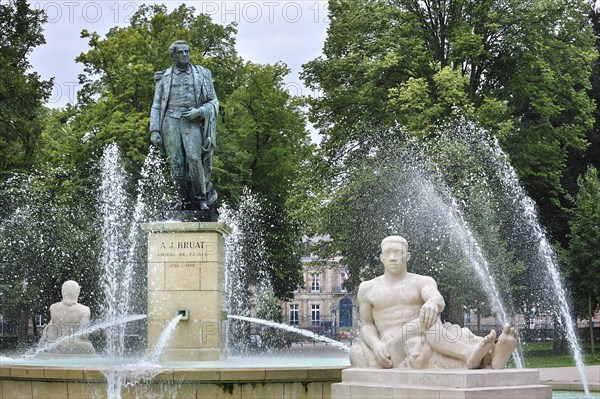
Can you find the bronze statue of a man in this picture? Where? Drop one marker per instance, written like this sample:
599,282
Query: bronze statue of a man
183,125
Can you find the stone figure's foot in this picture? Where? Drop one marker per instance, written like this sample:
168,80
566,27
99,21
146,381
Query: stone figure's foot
507,342
203,206
480,350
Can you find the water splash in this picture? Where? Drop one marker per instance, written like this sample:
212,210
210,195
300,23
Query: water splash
460,230
128,374
545,253
456,225
86,330
522,226
114,210
246,266
122,244
164,338
296,330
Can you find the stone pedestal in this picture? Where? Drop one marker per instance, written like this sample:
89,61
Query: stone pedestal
186,274
446,384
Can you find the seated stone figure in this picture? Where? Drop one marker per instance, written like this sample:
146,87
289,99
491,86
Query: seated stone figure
400,311
64,333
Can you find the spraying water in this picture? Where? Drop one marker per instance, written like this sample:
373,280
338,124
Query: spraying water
121,243
164,338
458,228
545,254
88,329
296,330
113,210
246,266
522,225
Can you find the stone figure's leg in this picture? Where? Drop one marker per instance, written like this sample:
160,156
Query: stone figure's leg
175,153
192,141
507,342
395,342
448,340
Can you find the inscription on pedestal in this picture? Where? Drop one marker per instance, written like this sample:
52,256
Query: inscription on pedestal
187,249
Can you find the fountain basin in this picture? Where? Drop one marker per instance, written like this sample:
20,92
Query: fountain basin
174,380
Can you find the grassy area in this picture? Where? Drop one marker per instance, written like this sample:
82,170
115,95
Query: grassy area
541,354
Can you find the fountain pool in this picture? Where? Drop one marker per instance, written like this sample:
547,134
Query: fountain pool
297,372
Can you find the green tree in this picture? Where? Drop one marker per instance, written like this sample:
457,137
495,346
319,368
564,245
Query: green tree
22,92
583,252
272,142
593,151
521,69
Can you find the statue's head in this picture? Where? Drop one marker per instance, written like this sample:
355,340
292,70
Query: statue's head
394,254
70,292
180,53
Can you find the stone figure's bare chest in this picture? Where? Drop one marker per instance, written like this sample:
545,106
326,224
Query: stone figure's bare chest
403,293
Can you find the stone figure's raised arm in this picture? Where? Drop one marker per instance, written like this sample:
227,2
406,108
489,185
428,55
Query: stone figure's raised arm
433,302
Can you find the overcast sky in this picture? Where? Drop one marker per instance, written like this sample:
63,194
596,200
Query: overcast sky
268,32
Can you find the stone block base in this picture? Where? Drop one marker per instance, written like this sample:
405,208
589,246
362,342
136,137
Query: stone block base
186,275
456,384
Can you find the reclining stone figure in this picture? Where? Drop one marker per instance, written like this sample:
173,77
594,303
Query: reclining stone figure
401,328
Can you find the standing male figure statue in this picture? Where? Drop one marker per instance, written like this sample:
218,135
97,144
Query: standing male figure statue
183,125
401,328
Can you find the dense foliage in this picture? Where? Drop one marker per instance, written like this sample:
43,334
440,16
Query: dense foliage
519,68
22,92
583,253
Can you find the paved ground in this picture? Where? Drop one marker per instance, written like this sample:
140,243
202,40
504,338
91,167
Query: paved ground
568,378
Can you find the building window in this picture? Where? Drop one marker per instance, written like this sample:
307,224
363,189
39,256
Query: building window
343,279
316,314
346,312
39,320
315,282
294,314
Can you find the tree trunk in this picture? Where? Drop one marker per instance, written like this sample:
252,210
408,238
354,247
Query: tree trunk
23,327
591,325
559,344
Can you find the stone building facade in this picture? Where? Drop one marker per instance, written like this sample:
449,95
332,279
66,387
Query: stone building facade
323,304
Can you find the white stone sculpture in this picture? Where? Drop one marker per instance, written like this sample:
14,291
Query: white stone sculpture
64,334
401,327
